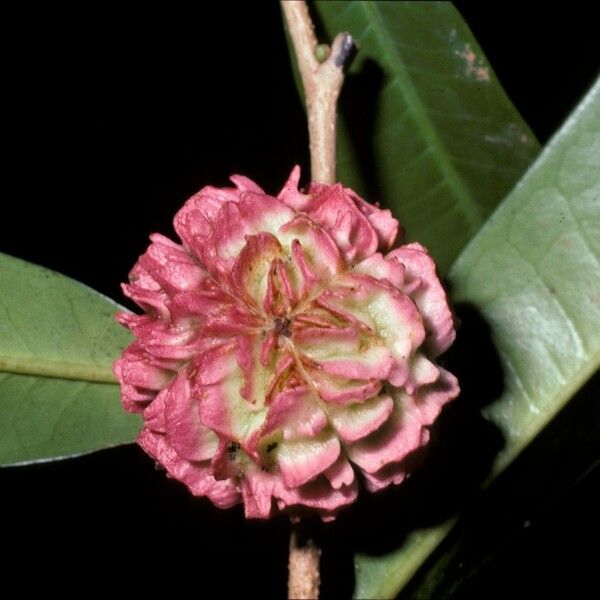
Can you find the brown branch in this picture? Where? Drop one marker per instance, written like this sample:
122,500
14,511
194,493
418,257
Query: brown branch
304,578
322,83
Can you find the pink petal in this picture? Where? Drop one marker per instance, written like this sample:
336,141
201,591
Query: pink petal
215,366
317,494
422,372
186,435
134,400
384,310
338,351
340,473
290,195
252,268
259,489
381,268
382,221
153,302
257,492
162,340
316,257
401,434
337,213
133,368
430,399
256,379
296,414
171,265
142,279
430,296
218,384
393,473
329,205
340,390
244,184
356,421
196,476
199,303
302,460
154,413
217,239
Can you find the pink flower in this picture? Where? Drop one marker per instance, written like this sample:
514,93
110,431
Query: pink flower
281,355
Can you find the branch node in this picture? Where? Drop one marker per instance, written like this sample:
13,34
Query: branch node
344,51
322,82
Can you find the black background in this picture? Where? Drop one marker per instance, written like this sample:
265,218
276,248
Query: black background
111,119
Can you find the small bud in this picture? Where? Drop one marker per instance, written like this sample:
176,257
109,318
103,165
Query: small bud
322,52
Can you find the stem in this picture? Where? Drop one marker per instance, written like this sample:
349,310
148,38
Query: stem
322,83
304,578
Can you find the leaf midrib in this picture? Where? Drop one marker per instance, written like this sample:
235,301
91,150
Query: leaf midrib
464,197
57,369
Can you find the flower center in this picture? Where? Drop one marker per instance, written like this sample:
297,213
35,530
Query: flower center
282,326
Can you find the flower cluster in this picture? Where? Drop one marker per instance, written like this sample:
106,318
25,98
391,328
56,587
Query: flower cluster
281,355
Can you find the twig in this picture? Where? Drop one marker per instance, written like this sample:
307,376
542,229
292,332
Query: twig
322,83
304,578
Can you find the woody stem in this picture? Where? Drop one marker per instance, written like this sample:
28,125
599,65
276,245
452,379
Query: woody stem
304,578
322,82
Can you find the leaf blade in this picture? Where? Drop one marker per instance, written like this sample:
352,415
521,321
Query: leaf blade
47,418
544,360
58,339
443,154
554,278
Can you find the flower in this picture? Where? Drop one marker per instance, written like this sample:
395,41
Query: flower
281,355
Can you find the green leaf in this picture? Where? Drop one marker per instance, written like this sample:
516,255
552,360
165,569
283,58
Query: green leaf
536,487
426,127
58,338
533,272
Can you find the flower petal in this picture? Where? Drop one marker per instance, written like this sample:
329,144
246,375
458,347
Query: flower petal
359,228
217,237
218,384
253,267
401,434
333,209
154,413
379,267
302,460
430,399
296,414
429,296
382,221
341,390
257,492
356,421
134,368
343,352
393,473
171,265
317,494
196,476
184,432
152,301
340,473
391,315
